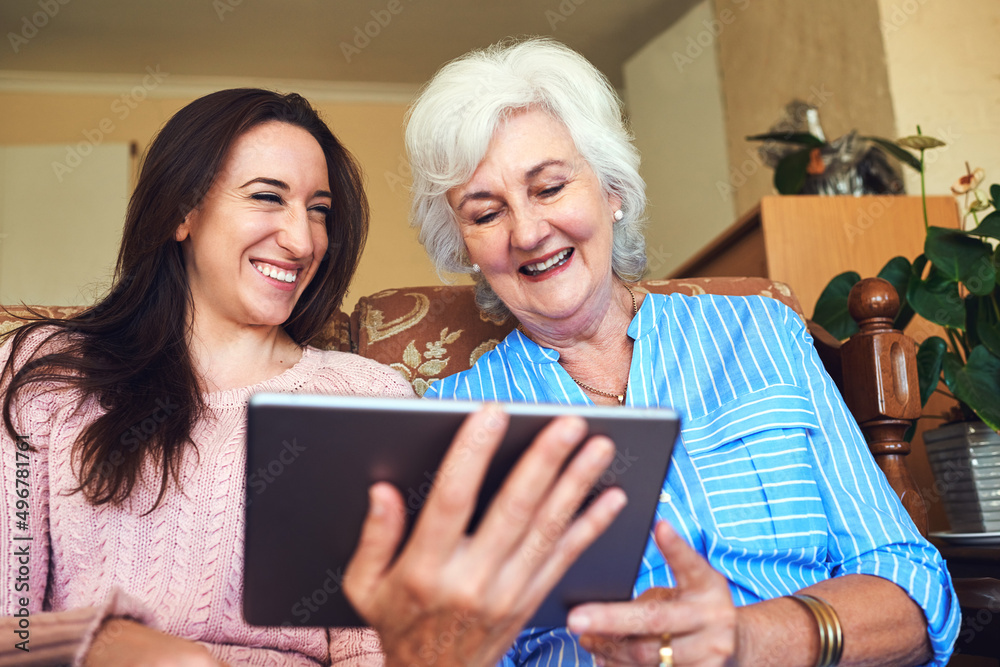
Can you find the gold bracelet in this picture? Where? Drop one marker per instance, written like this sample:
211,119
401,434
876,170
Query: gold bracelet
831,634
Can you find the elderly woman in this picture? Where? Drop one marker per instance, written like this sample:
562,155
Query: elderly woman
779,541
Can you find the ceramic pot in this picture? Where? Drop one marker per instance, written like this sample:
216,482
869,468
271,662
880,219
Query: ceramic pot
965,459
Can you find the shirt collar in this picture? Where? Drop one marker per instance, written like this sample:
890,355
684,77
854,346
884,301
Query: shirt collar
645,320
522,346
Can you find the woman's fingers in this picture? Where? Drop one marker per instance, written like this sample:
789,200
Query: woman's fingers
584,530
624,650
701,595
381,534
698,615
557,535
516,508
445,515
690,569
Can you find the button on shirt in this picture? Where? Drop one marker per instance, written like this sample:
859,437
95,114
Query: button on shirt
771,481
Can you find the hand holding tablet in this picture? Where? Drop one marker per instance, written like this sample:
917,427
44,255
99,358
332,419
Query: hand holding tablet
479,589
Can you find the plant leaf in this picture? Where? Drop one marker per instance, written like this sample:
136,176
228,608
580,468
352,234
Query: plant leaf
962,259
936,299
995,195
790,173
798,138
988,323
904,156
930,356
919,142
977,384
831,308
950,367
898,271
972,319
989,226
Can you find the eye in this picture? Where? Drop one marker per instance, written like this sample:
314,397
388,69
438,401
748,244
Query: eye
269,197
321,208
555,189
488,217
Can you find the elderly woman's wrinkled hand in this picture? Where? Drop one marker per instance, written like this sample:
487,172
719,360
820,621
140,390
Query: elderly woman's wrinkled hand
457,599
697,619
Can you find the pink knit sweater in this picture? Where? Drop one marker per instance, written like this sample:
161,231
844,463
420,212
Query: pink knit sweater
178,569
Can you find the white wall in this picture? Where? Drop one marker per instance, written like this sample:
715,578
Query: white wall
674,100
944,74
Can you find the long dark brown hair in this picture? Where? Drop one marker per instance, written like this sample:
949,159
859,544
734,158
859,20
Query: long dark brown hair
130,350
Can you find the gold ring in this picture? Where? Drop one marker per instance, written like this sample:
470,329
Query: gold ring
666,651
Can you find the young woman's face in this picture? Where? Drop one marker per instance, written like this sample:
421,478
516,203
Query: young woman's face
259,235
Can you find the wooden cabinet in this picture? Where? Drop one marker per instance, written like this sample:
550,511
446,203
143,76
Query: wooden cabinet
806,240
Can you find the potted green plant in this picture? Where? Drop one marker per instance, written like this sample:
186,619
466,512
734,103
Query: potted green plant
953,283
806,163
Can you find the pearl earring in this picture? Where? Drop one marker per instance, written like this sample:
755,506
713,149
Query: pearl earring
475,268
619,215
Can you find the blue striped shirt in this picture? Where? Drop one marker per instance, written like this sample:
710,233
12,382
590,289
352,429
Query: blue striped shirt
771,482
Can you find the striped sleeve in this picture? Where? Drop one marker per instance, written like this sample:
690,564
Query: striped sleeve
869,530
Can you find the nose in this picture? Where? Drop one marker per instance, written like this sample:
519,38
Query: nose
529,229
296,234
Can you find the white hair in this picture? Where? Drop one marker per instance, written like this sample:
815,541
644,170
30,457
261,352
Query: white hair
450,126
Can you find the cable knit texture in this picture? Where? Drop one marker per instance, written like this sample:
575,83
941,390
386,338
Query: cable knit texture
180,567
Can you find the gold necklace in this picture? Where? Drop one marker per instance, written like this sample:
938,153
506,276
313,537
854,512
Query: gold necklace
594,390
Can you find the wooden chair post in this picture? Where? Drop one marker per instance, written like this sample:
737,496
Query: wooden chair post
881,388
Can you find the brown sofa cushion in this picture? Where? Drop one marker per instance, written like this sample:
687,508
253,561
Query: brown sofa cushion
10,320
427,333
334,336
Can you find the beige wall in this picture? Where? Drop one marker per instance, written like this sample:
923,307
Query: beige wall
60,249
944,74
372,131
827,53
672,90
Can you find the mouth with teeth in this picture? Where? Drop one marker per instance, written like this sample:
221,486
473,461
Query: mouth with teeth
556,261
288,276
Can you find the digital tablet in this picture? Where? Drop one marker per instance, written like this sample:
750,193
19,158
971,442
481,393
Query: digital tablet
311,460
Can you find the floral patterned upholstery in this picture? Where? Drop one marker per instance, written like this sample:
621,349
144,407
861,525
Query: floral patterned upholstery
334,336
9,315
427,333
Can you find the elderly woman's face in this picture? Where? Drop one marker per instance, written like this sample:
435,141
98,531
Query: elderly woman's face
258,237
536,220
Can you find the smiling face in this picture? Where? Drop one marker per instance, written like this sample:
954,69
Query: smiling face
259,235
536,220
